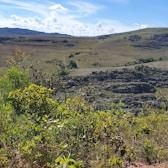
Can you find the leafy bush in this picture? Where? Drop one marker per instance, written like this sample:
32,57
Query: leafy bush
68,163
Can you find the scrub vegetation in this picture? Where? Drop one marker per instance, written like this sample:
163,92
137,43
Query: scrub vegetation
38,131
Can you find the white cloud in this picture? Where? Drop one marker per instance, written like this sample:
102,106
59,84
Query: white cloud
32,7
52,17
68,25
140,26
85,7
58,7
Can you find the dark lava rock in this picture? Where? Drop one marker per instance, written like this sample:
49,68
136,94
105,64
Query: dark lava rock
132,88
134,38
70,45
135,87
158,41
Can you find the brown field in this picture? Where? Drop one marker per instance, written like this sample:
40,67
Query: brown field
96,53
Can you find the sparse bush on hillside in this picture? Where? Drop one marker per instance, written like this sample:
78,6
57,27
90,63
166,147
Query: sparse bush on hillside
96,64
72,64
75,54
62,71
144,60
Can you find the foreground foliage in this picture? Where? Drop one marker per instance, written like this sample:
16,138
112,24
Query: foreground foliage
37,131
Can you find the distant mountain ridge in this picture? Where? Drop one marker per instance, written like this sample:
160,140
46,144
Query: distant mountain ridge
25,32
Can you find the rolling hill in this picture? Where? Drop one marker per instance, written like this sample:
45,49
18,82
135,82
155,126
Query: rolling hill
90,53
25,32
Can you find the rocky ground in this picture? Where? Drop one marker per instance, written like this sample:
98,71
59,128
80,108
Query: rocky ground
141,165
136,88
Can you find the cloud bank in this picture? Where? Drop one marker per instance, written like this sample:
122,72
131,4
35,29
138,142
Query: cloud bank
52,17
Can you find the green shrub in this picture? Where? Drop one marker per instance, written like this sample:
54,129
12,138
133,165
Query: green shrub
62,71
72,64
12,80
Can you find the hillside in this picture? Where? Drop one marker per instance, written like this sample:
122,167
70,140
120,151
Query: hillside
25,32
103,52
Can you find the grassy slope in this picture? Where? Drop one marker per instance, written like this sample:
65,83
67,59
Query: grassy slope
93,53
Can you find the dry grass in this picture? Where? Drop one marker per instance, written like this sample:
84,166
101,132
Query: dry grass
93,53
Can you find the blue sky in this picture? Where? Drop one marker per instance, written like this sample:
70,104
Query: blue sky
84,18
